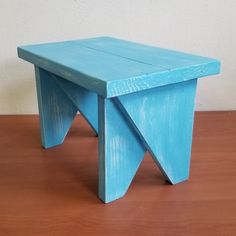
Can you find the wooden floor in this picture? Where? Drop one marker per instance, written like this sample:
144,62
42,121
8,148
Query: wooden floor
54,191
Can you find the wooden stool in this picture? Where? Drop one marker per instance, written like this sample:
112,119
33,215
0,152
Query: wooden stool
137,98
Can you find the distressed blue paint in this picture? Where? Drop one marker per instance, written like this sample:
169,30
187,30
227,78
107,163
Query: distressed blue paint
164,58
55,108
113,67
58,101
159,120
120,151
85,100
146,102
163,117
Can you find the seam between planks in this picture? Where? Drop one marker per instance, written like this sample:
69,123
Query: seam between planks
127,58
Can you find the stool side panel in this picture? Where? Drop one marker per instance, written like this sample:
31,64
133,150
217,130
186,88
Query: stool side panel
163,117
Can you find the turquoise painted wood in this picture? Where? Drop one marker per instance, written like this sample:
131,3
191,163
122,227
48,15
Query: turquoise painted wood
163,118
58,102
137,98
120,151
112,73
85,100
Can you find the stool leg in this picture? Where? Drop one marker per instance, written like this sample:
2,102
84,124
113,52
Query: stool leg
163,117
120,151
56,110
58,101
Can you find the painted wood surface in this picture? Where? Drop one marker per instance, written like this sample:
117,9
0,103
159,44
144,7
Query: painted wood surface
163,118
124,128
137,98
120,151
85,100
113,67
158,120
58,104
150,55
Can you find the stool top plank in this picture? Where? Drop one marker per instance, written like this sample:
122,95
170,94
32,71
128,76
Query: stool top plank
113,67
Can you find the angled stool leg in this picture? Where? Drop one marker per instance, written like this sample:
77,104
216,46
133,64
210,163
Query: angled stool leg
164,119
120,151
55,109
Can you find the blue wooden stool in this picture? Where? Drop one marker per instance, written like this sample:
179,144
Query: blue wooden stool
137,98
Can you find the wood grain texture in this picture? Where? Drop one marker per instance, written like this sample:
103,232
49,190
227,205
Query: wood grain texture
56,110
109,68
150,55
120,151
58,102
124,125
168,113
54,191
85,100
124,135
113,67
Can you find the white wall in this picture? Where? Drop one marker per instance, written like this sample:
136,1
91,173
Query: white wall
202,27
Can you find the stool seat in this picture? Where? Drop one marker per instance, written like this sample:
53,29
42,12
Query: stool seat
135,97
113,67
